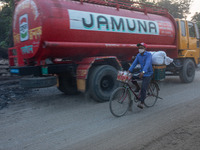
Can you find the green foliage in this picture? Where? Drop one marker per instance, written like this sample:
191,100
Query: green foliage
196,18
177,8
6,24
146,2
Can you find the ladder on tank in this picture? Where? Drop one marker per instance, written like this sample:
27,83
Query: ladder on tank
130,5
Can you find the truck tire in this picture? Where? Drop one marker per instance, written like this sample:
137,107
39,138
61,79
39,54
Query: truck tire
38,82
102,82
67,84
187,73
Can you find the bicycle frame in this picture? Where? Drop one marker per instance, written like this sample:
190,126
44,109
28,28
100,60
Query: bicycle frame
135,78
128,87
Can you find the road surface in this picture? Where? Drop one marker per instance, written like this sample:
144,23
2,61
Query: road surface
46,119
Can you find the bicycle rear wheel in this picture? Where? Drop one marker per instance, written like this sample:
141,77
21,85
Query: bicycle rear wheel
152,95
119,101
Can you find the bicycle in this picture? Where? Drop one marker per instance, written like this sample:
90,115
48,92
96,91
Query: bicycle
121,98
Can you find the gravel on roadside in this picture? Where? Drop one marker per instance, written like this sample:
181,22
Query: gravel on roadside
10,89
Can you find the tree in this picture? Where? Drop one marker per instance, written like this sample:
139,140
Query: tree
6,39
196,18
146,2
177,8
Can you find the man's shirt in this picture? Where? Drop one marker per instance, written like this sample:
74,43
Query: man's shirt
145,61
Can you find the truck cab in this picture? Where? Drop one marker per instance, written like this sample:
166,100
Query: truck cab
188,51
188,40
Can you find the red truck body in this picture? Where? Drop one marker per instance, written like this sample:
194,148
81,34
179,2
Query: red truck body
75,30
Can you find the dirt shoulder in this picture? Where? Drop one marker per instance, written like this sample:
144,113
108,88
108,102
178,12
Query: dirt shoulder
185,137
10,91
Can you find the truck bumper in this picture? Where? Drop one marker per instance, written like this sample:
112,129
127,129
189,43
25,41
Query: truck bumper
23,71
43,70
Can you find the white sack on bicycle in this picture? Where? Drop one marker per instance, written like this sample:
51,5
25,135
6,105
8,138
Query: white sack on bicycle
160,58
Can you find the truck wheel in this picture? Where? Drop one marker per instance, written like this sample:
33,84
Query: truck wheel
38,82
188,71
67,84
102,83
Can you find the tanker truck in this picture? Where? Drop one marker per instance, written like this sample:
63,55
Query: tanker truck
80,45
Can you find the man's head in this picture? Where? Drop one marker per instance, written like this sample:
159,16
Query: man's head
142,47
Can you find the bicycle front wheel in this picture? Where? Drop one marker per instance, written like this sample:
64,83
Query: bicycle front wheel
152,95
119,101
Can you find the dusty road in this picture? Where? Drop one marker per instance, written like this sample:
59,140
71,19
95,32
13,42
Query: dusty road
48,120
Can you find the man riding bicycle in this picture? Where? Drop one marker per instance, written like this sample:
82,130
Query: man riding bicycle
144,58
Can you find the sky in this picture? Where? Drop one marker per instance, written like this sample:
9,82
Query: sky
1,4
195,7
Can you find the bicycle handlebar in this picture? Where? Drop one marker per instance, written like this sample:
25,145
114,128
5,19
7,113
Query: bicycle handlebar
135,75
125,76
